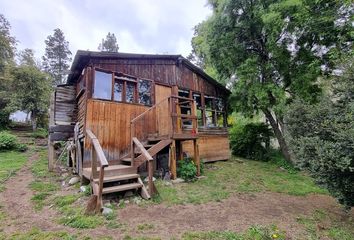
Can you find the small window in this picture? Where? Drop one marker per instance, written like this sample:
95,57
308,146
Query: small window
219,104
130,92
118,90
144,90
103,85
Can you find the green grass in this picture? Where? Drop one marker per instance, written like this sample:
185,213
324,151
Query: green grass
253,233
39,133
225,178
36,233
145,227
321,225
10,162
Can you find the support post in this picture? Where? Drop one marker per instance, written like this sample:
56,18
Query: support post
51,152
173,163
196,156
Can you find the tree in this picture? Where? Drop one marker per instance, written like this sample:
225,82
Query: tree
109,44
7,49
26,57
57,56
321,135
32,90
277,50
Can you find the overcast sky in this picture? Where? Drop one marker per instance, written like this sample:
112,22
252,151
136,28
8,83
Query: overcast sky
141,26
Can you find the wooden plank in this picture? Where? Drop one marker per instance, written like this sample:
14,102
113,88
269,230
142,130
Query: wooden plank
121,188
172,160
57,136
51,152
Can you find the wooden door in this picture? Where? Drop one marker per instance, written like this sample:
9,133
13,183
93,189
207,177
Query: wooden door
163,119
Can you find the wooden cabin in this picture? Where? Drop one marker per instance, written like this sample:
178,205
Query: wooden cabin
132,114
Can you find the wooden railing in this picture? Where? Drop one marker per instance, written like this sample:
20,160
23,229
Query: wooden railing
97,157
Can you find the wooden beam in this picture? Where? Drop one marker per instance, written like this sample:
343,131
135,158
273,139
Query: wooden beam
61,128
173,163
51,152
196,156
58,136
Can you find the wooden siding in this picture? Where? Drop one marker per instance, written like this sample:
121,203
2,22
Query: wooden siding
211,147
65,108
110,122
166,72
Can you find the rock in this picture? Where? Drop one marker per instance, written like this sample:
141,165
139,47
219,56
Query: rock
128,194
106,211
147,179
126,201
167,183
167,176
74,180
177,180
83,189
201,177
63,183
136,200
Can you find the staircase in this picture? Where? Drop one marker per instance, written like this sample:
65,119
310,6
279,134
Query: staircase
107,178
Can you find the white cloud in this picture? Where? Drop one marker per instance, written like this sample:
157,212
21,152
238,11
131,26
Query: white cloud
149,26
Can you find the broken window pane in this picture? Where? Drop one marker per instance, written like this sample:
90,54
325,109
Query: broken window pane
118,91
103,85
220,119
130,92
209,103
219,104
144,88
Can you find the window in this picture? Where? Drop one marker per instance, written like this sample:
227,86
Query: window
214,112
185,106
144,91
198,101
118,90
103,85
125,88
209,111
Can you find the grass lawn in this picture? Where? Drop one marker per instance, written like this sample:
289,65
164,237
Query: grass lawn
224,178
10,162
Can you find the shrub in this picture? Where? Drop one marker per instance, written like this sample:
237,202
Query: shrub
8,141
21,147
186,169
251,140
40,133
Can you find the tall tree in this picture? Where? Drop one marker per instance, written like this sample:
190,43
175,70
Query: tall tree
7,49
109,44
57,56
26,57
276,50
32,90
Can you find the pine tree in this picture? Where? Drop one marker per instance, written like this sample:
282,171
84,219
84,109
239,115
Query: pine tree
109,44
57,56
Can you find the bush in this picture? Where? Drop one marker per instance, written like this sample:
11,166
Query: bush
186,169
8,141
40,133
251,140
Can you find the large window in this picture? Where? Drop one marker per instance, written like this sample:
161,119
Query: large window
103,85
125,88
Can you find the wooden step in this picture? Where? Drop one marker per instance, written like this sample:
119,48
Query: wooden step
112,170
118,178
121,188
126,159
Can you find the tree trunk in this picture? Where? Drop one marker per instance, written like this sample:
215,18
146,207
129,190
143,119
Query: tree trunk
279,135
34,120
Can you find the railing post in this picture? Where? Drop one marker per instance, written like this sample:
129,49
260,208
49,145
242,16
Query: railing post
100,189
132,143
151,173
93,162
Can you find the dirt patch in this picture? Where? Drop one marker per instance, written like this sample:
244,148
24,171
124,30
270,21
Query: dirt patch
237,213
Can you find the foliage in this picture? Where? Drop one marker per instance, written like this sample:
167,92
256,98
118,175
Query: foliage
274,50
36,233
225,178
57,56
8,141
26,57
40,133
251,140
186,169
109,44
322,137
32,91
7,49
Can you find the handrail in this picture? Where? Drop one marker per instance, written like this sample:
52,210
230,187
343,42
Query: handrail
98,148
142,149
97,152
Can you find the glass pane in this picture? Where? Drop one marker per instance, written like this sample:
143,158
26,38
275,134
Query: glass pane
197,99
118,91
220,119
200,117
129,97
209,103
103,85
183,93
144,89
219,104
209,119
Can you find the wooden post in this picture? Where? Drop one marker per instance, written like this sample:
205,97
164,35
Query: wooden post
173,163
151,173
51,152
93,162
196,156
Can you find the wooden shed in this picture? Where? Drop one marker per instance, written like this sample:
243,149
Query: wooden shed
130,114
